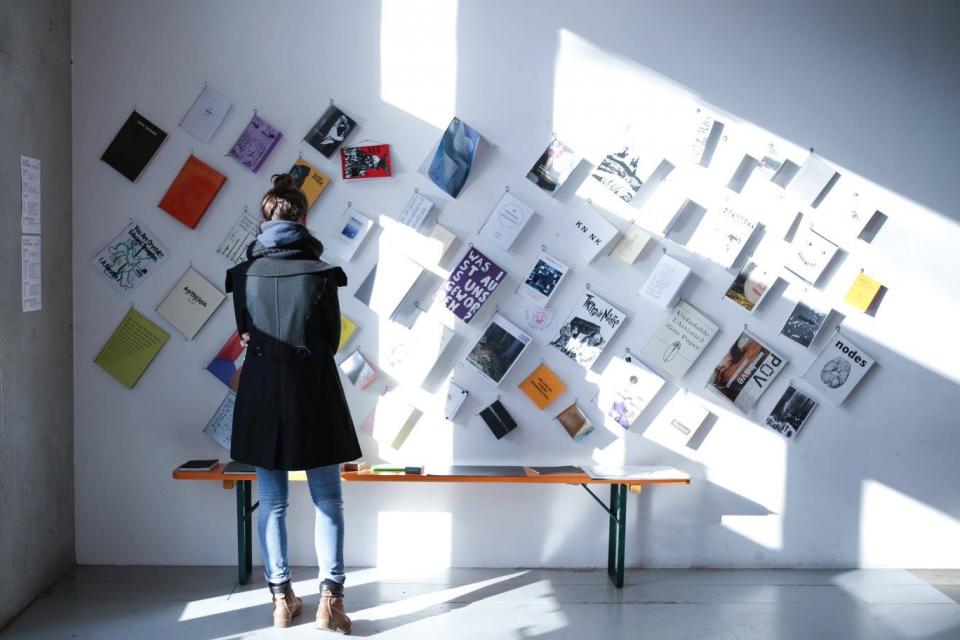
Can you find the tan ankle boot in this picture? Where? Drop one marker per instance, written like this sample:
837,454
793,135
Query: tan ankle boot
330,615
286,606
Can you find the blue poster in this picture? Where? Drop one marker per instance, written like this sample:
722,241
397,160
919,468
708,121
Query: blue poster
454,156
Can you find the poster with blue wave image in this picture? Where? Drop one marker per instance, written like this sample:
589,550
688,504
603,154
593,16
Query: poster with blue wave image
451,160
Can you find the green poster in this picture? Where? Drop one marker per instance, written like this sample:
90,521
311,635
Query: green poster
131,348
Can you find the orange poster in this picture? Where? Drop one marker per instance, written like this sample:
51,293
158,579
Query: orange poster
192,191
542,386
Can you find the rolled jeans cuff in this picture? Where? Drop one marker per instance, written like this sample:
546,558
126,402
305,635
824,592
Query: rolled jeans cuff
334,587
279,588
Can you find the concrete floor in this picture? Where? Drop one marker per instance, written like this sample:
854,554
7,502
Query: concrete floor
193,603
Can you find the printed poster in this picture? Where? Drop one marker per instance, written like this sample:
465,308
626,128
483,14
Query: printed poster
553,167
663,285
506,221
471,284
130,257
542,386
839,368
498,349
449,164
255,143
132,347
588,329
309,179
722,234
678,422
804,323
192,191
371,161
587,232
220,425
811,179
544,278
190,303
810,253
30,195
330,131
791,412
134,146
31,272
680,340
206,115
410,354
228,362
750,286
625,389
862,292
746,371
415,211
631,245
624,170
388,282
242,234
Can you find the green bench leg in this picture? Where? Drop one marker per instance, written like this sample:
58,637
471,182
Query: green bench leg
617,541
245,510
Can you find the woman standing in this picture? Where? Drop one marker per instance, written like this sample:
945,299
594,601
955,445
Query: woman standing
290,412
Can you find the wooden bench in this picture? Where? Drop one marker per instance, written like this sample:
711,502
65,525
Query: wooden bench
616,510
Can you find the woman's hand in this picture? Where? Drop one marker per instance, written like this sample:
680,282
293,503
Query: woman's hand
244,340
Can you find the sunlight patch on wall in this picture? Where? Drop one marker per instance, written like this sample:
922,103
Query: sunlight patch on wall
418,58
764,530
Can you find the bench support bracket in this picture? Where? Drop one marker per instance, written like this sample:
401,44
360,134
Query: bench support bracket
245,510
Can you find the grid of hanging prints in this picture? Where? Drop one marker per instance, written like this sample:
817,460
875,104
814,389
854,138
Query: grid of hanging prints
773,225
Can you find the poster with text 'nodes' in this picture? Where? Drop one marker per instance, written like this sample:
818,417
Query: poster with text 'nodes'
839,368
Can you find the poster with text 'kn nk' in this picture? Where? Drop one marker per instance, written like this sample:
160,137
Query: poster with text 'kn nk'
839,368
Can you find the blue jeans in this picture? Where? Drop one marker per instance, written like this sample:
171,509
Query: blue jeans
324,483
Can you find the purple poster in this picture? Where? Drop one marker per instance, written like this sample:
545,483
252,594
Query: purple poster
470,284
255,143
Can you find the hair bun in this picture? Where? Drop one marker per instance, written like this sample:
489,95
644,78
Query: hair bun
283,181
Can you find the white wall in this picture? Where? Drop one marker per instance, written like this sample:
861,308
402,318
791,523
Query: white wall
870,85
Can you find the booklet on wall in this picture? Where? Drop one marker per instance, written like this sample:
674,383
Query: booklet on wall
722,234
625,389
506,221
746,371
588,329
839,368
678,422
190,303
544,278
663,285
496,351
680,340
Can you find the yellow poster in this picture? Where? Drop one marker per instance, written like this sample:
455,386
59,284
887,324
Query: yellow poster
132,347
310,180
542,386
347,328
863,291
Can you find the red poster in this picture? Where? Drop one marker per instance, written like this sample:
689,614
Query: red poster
372,161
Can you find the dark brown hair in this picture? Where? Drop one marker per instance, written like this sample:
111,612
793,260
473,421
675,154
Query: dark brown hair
284,201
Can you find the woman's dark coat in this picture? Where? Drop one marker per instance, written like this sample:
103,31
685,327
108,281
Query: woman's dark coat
290,409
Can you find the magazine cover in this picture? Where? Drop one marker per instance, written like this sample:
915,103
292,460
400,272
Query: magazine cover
544,278
625,389
134,146
255,143
220,425
190,303
352,229
330,130
228,362
588,329
810,253
553,167
192,191
371,161
506,221
680,340
620,171
750,286
804,323
206,114
791,412
470,284
498,349
722,234
309,179
839,368
130,257
542,386
746,371
587,232
498,419
449,164
243,232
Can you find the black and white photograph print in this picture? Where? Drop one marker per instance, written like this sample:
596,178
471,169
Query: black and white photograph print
619,172
544,278
588,329
804,324
330,131
498,349
553,167
791,412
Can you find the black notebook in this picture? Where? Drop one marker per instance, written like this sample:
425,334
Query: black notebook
557,471
477,470
238,468
198,465
134,146
500,422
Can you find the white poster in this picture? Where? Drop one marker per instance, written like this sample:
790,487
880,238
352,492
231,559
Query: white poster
631,244
506,221
243,232
625,389
220,426
680,340
190,303
588,329
409,354
351,230
705,122
587,232
30,273
663,285
810,253
388,282
811,179
456,396
544,278
30,192
677,423
722,234
206,114
416,210
839,368
130,257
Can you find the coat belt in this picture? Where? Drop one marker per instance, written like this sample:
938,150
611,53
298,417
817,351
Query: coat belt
279,351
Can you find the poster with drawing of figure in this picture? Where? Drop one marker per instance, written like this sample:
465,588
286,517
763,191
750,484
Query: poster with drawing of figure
130,257
330,131
588,329
255,143
449,164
